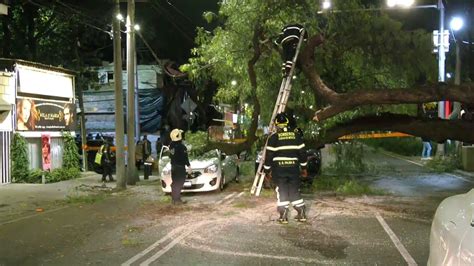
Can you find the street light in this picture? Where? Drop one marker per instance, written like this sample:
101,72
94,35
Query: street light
326,4
456,23
402,3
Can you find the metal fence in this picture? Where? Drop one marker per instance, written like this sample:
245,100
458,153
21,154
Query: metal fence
5,140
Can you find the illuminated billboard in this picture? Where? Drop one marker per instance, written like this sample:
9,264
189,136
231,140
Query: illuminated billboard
43,115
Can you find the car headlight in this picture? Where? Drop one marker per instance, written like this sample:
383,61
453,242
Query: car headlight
211,169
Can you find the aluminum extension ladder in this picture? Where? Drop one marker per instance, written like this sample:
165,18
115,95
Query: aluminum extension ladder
280,106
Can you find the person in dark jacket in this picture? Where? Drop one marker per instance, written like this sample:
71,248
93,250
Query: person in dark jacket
179,160
286,154
146,152
289,39
106,161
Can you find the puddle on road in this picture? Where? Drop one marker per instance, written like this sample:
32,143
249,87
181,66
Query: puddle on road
329,246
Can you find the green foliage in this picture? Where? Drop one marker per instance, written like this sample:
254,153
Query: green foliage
348,158
378,54
85,199
70,152
19,158
198,142
40,32
61,174
35,176
343,185
408,146
445,164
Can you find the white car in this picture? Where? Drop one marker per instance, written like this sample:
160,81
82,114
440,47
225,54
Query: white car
210,171
452,231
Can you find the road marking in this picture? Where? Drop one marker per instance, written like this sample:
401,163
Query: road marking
410,161
153,246
187,230
236,197
173,243
258,255
228,196
401,158
396,241
403,251
460,177
33,215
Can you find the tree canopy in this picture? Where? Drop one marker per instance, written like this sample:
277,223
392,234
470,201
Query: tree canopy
359,70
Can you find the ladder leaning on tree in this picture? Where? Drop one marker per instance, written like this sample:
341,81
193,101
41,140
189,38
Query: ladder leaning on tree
280,106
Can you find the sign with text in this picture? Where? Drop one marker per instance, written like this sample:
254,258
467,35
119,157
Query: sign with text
44,115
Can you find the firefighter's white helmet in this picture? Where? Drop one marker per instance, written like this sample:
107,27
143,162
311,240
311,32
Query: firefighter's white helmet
176,134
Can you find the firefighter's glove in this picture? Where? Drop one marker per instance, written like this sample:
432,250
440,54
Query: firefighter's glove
304,173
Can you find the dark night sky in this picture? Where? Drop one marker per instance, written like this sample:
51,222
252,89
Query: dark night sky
170,25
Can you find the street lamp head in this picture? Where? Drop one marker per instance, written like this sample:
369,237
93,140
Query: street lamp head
326,4
119,17
456,23
402,3
406,3
391,3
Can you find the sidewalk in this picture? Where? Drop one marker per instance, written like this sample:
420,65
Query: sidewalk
18,199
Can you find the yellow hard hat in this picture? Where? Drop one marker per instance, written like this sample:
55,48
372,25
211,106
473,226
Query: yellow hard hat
176,134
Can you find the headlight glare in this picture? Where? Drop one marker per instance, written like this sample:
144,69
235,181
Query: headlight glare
211,169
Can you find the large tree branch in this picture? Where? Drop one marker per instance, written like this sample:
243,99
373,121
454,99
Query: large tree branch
341,102
346,101
435,129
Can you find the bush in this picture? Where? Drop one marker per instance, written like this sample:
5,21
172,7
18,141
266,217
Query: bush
70,152
348,158
60,174
20,162
445,164
408,146
342,185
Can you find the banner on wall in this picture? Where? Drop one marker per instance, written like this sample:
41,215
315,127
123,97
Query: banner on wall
46,151
43,115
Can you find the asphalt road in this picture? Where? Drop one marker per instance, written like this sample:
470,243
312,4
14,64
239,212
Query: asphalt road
140,227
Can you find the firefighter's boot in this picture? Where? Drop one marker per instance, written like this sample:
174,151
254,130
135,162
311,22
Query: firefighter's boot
301,216
283,216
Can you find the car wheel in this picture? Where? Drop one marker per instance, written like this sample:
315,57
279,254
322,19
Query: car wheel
222,183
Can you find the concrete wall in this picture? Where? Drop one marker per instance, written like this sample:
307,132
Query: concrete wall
7,96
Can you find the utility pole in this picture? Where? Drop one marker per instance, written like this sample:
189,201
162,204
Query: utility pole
119,123
132,173
441,69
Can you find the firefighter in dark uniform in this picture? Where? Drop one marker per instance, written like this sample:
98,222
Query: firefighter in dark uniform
286,154
288,39
179,159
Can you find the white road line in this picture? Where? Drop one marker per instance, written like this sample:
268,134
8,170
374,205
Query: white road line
452,175
173,243
228,196
153,246
33,215
403,251
396,241
259,255
401,158
460,177
238,196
